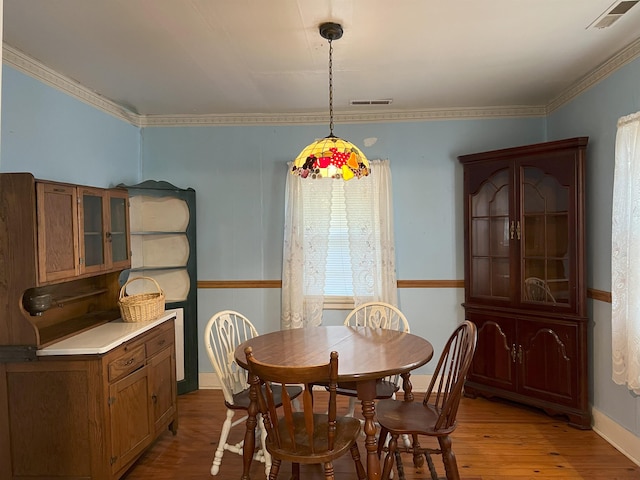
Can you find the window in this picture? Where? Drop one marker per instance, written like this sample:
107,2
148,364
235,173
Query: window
338,246
348,201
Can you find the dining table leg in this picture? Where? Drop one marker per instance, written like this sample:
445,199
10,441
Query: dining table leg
250,435
407,387
367,394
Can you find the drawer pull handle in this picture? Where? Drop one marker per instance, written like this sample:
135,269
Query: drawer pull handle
162,342
129,362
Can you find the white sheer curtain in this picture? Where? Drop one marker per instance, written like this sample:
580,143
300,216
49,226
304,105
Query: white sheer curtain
625,255
306,242
372,249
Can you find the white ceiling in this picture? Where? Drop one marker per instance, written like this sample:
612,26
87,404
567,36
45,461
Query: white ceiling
220,57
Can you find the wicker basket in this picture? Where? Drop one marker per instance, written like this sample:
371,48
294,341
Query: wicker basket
141,307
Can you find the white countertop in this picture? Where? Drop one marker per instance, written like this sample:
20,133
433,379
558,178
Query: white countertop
102,338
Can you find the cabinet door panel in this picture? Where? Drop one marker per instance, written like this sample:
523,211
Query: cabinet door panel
545,239
118,248
489,242
57,232
163,387
50,422
130,418
548,361
493,363
92,238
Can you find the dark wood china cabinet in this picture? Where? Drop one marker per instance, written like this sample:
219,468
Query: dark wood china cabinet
525,275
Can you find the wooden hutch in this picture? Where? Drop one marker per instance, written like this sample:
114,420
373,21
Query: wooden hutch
525,275
68,409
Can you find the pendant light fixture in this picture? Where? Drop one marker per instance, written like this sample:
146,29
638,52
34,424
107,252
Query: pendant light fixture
331,157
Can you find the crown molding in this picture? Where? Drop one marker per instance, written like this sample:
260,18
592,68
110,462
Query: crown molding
323,118
35,69
623,57
29,66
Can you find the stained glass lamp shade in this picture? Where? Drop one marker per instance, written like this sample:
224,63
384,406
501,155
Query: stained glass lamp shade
331,157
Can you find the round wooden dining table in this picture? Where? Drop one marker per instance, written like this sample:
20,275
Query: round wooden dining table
365,355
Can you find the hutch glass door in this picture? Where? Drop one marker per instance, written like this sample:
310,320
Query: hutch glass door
491,231
92,241
118,234
545,242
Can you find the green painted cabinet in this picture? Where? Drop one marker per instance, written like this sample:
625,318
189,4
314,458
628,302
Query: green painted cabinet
163,246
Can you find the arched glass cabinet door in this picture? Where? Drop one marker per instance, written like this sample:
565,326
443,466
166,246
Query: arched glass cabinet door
490,233
546,259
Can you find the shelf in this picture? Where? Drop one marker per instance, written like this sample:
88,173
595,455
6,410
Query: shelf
60,301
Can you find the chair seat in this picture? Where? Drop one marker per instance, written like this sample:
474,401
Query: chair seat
409,417
241,399
384,389
347,429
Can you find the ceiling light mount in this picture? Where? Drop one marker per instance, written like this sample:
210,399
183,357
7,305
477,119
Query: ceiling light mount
331,31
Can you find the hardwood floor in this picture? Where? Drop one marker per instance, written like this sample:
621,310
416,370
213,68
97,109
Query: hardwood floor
495,440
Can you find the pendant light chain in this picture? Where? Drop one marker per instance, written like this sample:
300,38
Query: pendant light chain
331,88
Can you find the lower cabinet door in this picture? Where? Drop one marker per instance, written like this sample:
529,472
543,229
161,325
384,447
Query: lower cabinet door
162,388
493,363
548,361
130,418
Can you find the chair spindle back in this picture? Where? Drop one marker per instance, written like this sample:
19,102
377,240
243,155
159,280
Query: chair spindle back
289,437
225,331
445,389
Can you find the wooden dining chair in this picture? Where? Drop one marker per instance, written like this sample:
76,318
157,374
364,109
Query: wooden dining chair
223,333
435,416
306,436
538,290
377,315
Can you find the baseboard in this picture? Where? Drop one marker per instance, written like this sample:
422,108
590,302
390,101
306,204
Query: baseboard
619,437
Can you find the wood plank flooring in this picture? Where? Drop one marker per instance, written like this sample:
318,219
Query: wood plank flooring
495,440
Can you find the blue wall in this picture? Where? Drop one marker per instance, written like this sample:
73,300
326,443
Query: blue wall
57,137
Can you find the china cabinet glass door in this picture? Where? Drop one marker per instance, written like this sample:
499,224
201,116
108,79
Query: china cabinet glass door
92,238
118,235
491,231
545,257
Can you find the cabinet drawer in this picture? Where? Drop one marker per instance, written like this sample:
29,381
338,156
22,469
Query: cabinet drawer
127,363
159,342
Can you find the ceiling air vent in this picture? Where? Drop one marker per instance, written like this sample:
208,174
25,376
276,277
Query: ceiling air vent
386,101
613,13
